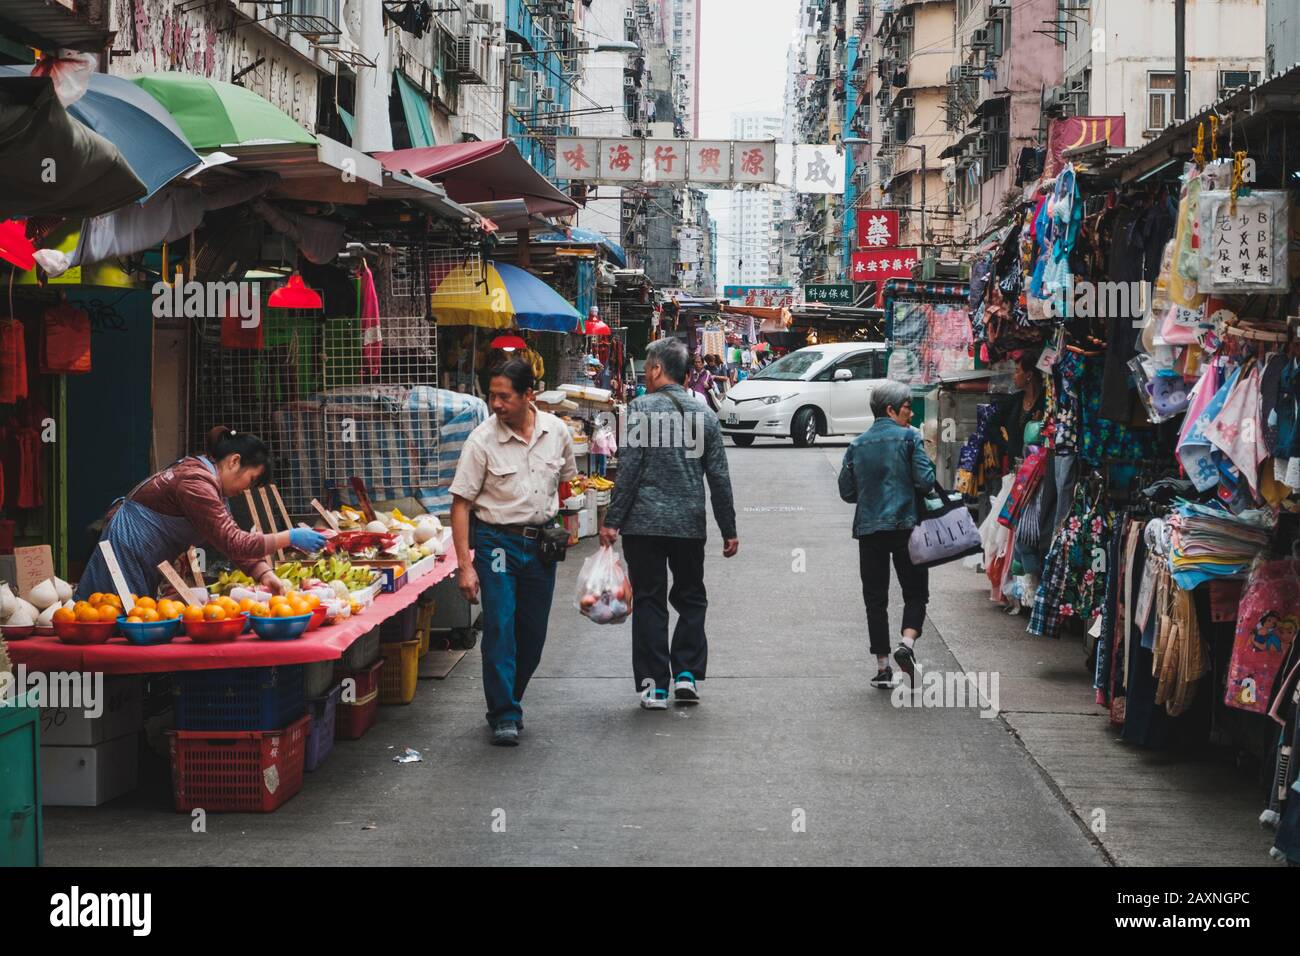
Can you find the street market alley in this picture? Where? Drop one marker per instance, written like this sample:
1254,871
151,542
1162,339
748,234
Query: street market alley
792,757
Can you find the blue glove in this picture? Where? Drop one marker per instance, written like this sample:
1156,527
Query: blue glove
304,539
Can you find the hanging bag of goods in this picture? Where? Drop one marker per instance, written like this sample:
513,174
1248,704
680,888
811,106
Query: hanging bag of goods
65,343
604,589
1267,622
944,530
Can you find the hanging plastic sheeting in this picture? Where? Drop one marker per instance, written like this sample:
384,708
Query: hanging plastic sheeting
71,72
415,107
931,340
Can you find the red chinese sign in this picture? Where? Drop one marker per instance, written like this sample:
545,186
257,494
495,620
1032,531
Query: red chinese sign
877,265
877,228
577,157
1080,131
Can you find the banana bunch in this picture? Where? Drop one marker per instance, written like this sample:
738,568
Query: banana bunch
230,580
599,484
328,570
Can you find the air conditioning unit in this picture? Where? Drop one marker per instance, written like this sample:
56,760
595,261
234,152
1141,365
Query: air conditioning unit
905,22
546,95
981,40
999,5
517,72
481,12
982,144
539,79
547,25
629,82
907,103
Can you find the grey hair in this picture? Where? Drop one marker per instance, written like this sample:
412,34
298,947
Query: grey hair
670,355
889,395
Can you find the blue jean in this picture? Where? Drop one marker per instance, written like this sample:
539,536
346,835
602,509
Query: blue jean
516,588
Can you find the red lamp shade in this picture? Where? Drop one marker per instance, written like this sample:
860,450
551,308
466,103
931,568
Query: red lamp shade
15,246
510,343
597,327
295,295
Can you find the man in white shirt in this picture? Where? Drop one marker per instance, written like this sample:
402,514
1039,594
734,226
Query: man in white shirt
505,491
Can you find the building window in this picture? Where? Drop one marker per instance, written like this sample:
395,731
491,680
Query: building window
1160,100
996,126
1232,80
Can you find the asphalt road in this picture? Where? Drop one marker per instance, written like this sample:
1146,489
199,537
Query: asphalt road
793,758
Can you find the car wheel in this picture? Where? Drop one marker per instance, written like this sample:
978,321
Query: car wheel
803,428
742,441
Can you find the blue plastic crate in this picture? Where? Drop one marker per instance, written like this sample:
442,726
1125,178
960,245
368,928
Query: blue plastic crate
399,628
321,740
244,698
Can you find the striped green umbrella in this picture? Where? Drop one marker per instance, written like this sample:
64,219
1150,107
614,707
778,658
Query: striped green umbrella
217,115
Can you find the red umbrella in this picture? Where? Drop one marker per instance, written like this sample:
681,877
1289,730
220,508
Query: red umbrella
15,246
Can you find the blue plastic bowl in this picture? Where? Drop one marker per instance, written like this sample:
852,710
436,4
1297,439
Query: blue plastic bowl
280,628
154,632
248,622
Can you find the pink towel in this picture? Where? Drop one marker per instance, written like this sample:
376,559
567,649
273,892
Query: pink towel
372,341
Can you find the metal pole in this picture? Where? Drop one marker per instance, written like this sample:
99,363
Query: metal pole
924,175
505,94
1180,60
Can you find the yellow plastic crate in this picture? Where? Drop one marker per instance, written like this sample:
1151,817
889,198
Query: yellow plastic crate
423,624
400,673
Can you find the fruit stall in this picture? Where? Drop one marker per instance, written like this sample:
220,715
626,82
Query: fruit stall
261,684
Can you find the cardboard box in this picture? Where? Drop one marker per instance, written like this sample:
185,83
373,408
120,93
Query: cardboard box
123,714
89,776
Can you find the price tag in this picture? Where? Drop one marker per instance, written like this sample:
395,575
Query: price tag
177,582
1052,354
115,571
32,566
195,569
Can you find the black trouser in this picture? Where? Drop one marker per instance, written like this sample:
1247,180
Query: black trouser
649,559
874,552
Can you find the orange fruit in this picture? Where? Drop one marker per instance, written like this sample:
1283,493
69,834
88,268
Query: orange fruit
132,619
80,604
112,600
313,601
150,616
246,604
283,610
214,612
193,613
168,609
87,614
259,610
108,612
137,611
65,615
95,598
147,602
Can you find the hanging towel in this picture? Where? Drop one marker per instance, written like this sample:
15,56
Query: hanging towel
372,339
1237,432
1194,448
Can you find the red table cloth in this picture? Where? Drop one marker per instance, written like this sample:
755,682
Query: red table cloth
326,643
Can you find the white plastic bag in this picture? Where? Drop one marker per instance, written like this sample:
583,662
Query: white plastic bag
71,71
604,589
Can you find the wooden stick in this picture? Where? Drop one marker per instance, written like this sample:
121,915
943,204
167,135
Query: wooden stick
252,510
284,512
115,572
270,519
329,518
176,581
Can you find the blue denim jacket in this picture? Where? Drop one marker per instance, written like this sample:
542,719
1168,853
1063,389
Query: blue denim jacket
883,469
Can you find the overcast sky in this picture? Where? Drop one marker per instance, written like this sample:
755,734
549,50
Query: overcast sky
743,47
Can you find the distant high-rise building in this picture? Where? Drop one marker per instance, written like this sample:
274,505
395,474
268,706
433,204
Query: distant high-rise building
755,256
684,40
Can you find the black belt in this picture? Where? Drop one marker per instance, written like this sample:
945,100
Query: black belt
531,532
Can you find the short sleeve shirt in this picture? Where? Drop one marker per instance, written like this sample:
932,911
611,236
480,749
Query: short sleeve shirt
510,481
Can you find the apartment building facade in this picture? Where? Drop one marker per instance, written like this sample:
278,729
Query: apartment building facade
755,214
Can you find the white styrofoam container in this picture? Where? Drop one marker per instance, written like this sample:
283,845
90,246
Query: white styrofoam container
122,714
89,776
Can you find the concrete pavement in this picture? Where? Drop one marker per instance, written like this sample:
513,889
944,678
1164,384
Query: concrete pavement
792,758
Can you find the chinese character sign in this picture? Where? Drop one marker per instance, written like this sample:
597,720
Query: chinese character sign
575,158
665,160
877,228
834,294
761,296
753,161
1246,248
709,161
878,264
621,159
818,169
1079,131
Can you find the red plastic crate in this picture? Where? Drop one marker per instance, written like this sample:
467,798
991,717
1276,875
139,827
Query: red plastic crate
367,679
351,721
240,771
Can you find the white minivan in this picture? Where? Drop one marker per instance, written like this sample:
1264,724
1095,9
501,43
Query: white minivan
818,390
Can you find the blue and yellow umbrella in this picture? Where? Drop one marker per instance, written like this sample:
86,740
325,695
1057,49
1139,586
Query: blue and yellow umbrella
509,298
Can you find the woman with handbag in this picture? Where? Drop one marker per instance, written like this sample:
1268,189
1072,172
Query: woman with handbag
884,470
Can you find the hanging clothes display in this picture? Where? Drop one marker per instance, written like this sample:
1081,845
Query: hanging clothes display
372,339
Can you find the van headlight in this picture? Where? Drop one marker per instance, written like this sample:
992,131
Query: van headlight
776,399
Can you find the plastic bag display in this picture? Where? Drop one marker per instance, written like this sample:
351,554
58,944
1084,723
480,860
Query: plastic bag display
604,589
65,342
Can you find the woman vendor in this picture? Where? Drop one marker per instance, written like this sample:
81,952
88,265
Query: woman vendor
185,505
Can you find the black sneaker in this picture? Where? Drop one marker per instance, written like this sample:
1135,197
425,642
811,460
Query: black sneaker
884,679
506,734
905,658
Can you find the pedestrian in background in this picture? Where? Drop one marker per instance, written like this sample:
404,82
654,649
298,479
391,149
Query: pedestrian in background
504,493
658,505
883,470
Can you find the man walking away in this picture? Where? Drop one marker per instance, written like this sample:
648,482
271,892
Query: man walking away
504,493
673,444
883,470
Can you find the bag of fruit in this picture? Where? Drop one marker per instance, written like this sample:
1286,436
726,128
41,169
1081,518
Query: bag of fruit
604,590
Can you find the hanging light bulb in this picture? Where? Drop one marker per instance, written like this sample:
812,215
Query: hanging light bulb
295,295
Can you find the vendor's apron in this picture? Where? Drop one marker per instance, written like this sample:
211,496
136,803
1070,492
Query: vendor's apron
142,539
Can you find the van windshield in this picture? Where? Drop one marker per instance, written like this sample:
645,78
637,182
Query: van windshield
790,368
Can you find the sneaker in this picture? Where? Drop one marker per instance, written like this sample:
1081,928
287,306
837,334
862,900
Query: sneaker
654,700
684,689
884,678
506,734
905,657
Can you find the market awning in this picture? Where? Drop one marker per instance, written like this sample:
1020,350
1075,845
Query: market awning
43,24
585,237
217,115
483,172
38,135
420,192
135,123
510,215
774,320
311,172
509,297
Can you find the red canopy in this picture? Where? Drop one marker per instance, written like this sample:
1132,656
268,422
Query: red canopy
482,172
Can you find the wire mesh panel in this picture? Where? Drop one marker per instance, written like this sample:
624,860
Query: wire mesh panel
454,271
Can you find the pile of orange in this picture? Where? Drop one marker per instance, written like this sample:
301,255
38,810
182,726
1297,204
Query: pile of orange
146,611
100,608
293,604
